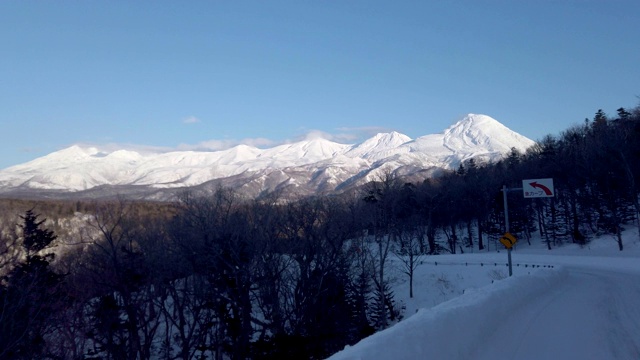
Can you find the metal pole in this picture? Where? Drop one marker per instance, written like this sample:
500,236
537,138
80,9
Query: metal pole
506,224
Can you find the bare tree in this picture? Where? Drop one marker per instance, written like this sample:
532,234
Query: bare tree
383,225
120,266
407,250
217,244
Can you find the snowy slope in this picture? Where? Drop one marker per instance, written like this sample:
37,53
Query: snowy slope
475,136
309,166
585,307
380,146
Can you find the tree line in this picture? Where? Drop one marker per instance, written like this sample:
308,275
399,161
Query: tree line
218,276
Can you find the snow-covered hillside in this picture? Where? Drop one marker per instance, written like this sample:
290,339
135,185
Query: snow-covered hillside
313,165
583,307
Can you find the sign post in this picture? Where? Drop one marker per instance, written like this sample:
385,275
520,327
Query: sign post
532,188
506,226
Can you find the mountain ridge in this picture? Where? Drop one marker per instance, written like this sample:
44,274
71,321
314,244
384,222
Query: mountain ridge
304,167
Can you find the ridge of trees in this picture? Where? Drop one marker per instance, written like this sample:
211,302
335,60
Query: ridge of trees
218,276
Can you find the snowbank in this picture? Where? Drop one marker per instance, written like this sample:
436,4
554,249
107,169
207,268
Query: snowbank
453,329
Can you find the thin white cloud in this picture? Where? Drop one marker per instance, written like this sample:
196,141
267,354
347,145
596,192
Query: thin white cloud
343,135
190,120
216,145
112,146
366,131
259,142
318,134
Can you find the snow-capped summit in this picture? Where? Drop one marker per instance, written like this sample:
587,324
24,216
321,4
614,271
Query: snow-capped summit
475,131
304,152
304,167
474,136
381,142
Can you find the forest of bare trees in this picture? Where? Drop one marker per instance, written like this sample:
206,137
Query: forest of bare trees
219,276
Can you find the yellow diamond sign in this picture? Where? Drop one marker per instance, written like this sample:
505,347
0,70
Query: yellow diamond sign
508,240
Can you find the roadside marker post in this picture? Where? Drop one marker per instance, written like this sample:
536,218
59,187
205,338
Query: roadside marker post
532,188
506,225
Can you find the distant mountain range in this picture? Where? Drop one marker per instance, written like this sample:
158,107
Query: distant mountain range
301,168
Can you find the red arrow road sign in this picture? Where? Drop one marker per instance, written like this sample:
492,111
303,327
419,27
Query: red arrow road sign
546,190
536,188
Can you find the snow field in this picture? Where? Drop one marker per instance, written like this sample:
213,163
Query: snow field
453,329
585,307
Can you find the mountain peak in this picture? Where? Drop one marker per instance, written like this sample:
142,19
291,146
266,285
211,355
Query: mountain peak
477,130
313,164
474,120
392,137
380,143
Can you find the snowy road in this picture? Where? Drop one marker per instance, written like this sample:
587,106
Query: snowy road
591,314
588,308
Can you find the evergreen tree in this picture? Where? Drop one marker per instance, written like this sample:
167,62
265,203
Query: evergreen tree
30,295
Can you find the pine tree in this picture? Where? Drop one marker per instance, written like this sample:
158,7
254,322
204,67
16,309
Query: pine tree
35,238
384,309
30,295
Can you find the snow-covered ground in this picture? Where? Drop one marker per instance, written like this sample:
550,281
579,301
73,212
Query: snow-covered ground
581,303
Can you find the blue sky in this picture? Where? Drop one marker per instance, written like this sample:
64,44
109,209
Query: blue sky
210,74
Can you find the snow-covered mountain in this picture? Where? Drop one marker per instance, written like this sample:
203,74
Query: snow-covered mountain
309,166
